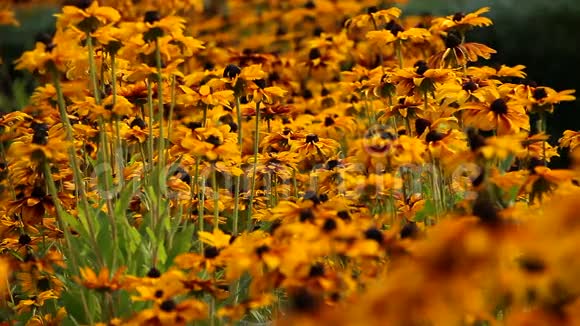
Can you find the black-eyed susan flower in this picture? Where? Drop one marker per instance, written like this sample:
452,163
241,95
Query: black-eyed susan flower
462,22
570,139
458,53
103,281
74,15
498,112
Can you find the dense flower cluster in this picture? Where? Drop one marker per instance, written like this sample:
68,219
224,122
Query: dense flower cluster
304,162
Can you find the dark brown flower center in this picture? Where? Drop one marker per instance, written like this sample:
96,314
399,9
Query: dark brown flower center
24,239
306,215
374,234
211,252
421,66
499,107
152,16
316,270
314,54
328,121
540,93
329,225
470,86
312,138
452,40
421,125
168,305
231,71
458,16
433,136
394,27
262,250
214,140
153,273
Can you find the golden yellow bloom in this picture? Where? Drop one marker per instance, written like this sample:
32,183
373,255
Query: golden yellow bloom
462,21
459,54
486,72
103,281
497,112
62,50
48,319
72,15
570,139
544,98
373,18
501,147
7,17
384,37
217,238
35,301
5,272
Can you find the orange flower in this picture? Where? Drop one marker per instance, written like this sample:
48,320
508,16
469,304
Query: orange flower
461,21
497,112
459,53
7,17
103,281
570,139
72,15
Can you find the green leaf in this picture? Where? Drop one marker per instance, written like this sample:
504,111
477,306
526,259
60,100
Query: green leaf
182,241
134,240
428,210
151,234
161,252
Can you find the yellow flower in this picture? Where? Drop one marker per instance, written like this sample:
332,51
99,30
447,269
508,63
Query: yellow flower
543,98
61,51
462,21
170,311
419,80
48,319
103,281
217,238
72,15
122,106
5,272
373,18
35,301
570,139
211,97
7,17
497,112
501,147
252,72
459,53
485,72
384,37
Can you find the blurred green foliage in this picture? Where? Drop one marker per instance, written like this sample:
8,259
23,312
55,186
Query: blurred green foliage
16,86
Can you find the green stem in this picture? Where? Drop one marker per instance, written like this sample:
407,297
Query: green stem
161,109
67,236
399,52
150,124
171,109
255,167
77,175
238,178
92,70
152,181
216,197
201,212
541,126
